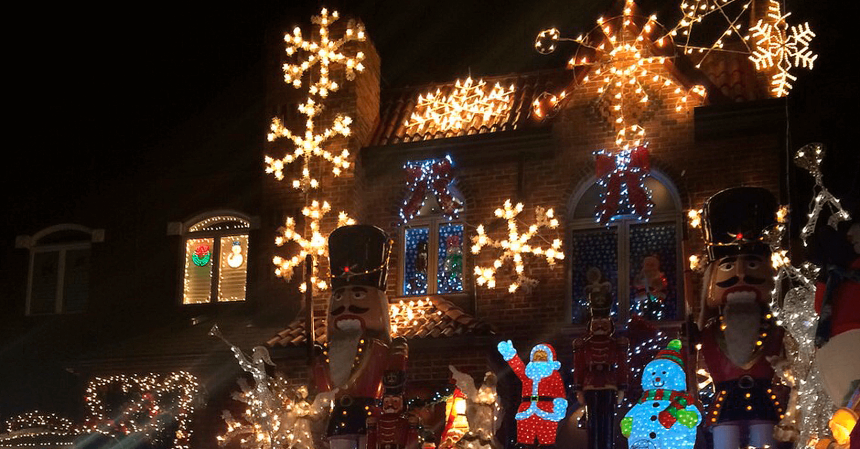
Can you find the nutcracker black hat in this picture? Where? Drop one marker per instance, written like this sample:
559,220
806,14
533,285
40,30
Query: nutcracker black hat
358,255
394,382
735,220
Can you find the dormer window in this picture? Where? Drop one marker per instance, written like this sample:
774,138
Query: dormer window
216,260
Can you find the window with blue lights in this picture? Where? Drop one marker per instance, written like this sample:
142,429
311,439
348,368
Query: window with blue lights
636,263
432,252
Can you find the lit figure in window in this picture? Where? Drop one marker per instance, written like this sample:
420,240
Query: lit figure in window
543,395
360,350
666,416
600,375
235,259
737,331
651,286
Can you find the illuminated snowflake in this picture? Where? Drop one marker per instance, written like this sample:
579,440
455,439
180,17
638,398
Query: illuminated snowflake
469,102
316,245
515,246
321,54
780,50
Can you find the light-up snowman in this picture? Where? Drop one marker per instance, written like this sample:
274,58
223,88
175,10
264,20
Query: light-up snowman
666,416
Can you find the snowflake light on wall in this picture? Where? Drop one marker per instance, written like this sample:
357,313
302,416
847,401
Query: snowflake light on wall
778,50
470,104
515,246
316,245
322,55
616,54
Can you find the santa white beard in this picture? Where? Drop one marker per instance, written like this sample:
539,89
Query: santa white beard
342,349
742,319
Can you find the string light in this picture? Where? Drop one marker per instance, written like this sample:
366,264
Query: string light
515,246
622,177
411,315
617,54
432,176
316,245
809,158
780,51
470,104
277,414
153,396
810,407
321,55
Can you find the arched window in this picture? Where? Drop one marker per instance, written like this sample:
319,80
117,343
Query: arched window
215,258
59,274
432,255
637,262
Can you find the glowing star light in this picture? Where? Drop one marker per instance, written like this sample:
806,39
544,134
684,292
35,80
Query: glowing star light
515,246
322,55
621,55
470,104
779,51
316,245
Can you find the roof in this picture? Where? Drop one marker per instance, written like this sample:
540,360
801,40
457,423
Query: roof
398,106
433,317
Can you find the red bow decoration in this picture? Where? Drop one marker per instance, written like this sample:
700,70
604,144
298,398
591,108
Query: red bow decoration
615,172
434,175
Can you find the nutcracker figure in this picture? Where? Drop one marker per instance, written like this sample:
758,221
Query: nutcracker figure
359,348
600,373
543,395
394,428
737,329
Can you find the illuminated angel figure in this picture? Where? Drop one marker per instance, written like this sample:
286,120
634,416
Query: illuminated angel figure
623,54
321,54
516,245
316,245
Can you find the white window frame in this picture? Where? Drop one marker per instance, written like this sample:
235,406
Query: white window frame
216,235
32,243
622,226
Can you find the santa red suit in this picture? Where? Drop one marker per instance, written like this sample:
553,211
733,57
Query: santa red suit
543,395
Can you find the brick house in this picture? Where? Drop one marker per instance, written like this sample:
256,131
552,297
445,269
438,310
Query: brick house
76,272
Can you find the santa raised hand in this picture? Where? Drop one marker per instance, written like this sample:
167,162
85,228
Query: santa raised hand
543,402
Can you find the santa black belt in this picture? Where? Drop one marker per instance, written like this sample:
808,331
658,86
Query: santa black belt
537,398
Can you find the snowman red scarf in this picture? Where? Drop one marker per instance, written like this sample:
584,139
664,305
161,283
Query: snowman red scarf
678,402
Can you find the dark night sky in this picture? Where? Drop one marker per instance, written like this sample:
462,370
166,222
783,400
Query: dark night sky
94,89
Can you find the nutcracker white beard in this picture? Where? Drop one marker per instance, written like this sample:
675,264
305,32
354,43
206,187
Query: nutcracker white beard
342,349
742,319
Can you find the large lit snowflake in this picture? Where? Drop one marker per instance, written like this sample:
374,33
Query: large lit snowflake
779,50
321,54
470,103
617,54
515,246
316,245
